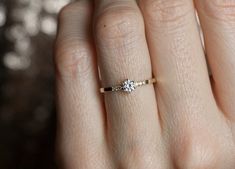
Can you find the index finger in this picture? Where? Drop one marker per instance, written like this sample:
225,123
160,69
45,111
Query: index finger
80,119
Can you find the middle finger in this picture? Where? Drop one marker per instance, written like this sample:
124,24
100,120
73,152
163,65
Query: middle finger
185,98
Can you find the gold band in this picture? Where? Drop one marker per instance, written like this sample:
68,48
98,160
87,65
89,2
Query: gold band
127,86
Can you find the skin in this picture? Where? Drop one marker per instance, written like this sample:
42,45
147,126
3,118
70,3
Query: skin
184,121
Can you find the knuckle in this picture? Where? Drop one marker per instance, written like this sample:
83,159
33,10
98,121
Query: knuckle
118,24
141,156
72,60
73,9
201,157
197,156
66,10
202,152
220,9
166,10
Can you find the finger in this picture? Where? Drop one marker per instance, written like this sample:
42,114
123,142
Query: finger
81,122
218,23
185,99
133,122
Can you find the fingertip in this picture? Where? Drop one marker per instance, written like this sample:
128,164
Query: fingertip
73,45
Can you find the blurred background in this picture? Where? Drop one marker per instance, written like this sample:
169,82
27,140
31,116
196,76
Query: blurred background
27,105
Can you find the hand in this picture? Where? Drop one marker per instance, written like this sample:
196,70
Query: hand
184,121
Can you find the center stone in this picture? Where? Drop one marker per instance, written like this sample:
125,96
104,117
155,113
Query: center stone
128,85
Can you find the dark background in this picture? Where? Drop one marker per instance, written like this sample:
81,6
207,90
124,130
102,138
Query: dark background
27,104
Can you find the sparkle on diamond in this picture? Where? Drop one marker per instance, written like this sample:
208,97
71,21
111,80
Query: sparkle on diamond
128,85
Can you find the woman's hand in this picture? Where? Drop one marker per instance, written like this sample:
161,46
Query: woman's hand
185,121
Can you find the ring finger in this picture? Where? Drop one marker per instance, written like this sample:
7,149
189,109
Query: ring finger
133,123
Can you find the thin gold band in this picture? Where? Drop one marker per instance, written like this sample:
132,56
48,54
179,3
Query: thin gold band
127,86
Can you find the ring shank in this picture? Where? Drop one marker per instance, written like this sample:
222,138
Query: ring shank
119,87
106,89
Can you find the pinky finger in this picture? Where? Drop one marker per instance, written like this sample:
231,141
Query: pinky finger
80,138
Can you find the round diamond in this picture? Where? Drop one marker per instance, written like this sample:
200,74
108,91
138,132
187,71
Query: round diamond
128,85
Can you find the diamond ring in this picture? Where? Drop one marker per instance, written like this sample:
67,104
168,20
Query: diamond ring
127,86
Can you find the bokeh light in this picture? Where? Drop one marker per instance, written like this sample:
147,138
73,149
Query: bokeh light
27,107
51,7
48,25
2,15
16,62
31,18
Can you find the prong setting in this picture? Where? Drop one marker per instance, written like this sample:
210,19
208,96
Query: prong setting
128,85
